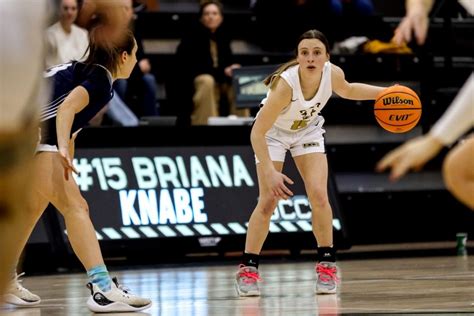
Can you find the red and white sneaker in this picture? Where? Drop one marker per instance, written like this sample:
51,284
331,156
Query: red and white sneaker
246,281
327,279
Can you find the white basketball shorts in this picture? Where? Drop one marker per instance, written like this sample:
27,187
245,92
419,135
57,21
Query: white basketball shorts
306,141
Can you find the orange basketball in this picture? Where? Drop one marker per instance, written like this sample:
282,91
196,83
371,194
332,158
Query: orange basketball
397,109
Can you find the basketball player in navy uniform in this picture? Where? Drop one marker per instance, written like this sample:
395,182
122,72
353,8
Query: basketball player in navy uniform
79,91
289,120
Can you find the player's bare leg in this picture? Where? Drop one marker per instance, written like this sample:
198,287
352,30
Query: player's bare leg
458,172
16,158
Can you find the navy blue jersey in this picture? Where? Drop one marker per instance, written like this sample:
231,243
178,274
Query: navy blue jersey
96,79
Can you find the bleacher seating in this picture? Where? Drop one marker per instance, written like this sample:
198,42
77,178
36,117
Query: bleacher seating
438,68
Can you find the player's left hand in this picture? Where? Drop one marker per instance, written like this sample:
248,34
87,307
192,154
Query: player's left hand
228,70
66,161
144,65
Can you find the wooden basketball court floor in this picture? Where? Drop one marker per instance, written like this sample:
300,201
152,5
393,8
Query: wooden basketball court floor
414,285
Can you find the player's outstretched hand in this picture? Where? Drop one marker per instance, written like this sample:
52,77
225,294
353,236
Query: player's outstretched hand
410,156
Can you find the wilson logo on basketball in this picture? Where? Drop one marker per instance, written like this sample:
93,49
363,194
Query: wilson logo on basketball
403,117
396,100
397,109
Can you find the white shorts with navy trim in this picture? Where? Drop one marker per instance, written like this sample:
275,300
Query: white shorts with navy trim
46,147
307,141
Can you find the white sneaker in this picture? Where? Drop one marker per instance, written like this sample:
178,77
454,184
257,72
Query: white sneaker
17,295
118,299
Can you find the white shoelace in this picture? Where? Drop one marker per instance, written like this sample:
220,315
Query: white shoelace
18,281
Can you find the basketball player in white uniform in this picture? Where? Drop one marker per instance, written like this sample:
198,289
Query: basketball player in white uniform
458,167
289,120
21,65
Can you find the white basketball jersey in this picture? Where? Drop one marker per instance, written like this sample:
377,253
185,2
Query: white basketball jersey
301,113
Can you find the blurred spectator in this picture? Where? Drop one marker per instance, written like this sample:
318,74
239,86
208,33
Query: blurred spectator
294,17
139,91
206,62
66,40
352,7
338,19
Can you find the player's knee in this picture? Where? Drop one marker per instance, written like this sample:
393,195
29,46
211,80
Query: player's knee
452,173
447,174
318,198
5,211
205,81
267,205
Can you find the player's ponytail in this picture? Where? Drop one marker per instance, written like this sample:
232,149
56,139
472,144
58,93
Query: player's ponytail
106,49
272,79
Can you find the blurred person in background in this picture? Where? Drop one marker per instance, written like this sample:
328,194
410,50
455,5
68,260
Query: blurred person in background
139,91
206,62
66,40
